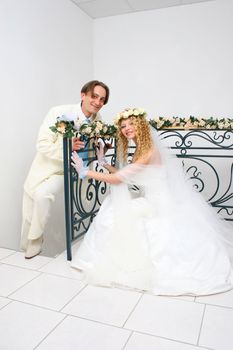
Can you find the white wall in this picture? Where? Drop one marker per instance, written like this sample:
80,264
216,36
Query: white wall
46,56
174,61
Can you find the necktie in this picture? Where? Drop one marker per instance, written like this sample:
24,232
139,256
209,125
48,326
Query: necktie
84,153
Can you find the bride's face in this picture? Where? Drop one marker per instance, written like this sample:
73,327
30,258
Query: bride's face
128,129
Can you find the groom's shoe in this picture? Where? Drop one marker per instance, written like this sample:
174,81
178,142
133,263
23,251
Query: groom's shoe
34,247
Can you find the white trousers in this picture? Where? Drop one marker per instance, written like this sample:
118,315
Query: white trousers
37,208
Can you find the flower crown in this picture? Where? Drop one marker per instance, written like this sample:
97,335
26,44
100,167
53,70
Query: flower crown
130,112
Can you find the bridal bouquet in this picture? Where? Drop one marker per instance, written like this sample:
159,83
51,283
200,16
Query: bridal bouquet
97,129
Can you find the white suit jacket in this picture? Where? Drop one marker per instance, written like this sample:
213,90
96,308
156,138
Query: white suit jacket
49,158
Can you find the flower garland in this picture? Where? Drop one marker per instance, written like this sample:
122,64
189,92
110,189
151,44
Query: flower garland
99,129
96,129
191,123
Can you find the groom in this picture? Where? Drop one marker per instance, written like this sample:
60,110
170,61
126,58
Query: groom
45,178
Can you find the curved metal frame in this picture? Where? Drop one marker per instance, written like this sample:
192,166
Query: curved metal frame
83,198
80,209
216,145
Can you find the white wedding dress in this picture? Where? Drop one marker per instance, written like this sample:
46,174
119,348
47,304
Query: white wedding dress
163,238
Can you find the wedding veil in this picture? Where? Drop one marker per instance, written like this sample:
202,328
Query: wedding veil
168,193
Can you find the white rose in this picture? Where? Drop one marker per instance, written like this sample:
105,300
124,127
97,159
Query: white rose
188,125
202,122
62,128
141,111
88,130
160,123
99,125
220,125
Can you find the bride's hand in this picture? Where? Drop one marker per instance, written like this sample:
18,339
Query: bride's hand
77,163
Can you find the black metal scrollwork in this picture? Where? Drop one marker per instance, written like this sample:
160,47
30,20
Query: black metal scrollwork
82,197
207,159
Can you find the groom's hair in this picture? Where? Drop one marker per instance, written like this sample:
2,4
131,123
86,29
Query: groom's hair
89,87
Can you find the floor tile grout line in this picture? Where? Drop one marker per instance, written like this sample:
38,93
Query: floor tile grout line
100,322
57,275
169,339
200,329
45,264
139,299
111,325
22,267
68,277
216,305
50,332
41,272
129,337
39,306
104,324
73,297
60,275
43,307
16,290
7,256
75,279
72,278
10,301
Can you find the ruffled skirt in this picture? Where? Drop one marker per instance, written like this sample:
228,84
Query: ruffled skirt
160,245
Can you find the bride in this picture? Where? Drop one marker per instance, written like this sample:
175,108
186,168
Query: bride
153,232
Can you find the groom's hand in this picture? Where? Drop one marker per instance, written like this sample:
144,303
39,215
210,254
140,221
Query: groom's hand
77,144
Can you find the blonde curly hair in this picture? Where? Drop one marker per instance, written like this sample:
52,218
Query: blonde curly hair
144,139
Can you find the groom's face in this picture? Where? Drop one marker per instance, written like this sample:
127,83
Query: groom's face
93,101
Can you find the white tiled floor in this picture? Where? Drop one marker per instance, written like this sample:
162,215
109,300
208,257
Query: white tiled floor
45,306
